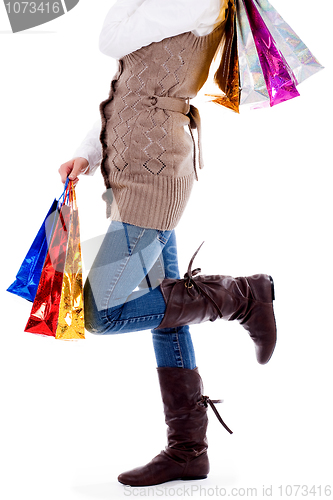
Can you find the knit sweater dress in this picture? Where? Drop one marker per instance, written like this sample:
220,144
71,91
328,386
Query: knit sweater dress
147,153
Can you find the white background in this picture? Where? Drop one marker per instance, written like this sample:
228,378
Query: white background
76,414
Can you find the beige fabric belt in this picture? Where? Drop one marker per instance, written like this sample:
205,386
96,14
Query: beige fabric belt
181,105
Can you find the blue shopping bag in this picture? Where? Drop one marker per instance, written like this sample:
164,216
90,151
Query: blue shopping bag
28,276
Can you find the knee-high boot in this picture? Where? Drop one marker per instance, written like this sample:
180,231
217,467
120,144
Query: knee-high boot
195,299
185,408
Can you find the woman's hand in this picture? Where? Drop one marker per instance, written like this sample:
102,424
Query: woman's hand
72,169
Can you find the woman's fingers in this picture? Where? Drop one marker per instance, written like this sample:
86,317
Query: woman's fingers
65,169
72,169
80,164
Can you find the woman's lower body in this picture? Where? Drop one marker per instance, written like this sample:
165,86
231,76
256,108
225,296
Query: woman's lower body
123,293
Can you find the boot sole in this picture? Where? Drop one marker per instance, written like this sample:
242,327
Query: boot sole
192,478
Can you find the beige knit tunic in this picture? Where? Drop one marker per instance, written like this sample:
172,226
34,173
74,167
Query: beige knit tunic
147,161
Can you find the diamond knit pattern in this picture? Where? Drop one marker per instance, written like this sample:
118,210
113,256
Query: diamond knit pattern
172,66
126,115
147,158
158,131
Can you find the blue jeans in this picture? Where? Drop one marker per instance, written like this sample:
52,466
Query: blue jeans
122,292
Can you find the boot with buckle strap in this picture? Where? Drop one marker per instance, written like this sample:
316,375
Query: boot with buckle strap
195,299
185,408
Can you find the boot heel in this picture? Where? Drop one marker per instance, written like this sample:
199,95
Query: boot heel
272,285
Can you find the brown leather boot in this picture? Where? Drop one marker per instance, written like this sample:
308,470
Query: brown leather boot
195,299
185,410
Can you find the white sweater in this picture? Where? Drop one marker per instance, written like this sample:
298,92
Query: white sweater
132,24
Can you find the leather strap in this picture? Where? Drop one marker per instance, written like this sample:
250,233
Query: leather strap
205,400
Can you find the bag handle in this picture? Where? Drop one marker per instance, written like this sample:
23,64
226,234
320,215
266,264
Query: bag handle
62,197
68,195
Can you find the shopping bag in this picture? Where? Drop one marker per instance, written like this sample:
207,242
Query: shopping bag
227,75
279,78
71,314
298,56
28,276
253,88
